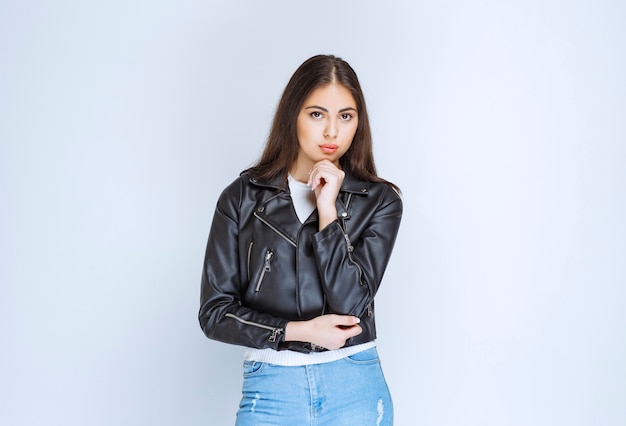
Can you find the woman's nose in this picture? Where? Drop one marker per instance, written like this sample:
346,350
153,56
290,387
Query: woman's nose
331,129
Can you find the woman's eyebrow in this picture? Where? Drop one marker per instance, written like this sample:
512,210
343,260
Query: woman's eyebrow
326,110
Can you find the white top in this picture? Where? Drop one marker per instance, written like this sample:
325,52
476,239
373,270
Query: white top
304,203
303,198
292,358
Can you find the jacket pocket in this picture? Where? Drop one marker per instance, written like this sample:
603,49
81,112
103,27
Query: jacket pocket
267,267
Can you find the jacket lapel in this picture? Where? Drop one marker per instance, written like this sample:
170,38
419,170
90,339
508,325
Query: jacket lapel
277,211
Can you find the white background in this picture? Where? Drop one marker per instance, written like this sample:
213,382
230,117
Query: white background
503,122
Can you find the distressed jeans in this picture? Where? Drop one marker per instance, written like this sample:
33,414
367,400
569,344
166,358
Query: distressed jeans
349,392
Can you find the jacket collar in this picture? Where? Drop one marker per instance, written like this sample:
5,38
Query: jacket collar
350,184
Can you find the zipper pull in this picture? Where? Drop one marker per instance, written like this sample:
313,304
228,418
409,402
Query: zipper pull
275,333
348,243
267,267
268,258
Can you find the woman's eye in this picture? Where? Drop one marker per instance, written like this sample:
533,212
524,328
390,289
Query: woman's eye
316,114
346,116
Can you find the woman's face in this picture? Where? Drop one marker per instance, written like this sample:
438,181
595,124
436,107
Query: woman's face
326,126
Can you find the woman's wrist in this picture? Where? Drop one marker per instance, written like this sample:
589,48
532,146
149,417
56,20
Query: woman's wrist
326,216
295,331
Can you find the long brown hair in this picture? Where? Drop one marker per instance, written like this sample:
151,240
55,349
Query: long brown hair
281,148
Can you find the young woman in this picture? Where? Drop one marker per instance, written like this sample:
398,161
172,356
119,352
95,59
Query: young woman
296,253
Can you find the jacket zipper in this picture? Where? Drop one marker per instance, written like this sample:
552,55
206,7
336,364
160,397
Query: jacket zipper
344,229
273,228
370,311
249,255
275,331
348,201
267,267
350,250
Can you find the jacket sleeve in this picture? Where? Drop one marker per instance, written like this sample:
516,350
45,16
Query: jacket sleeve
222,316
351,270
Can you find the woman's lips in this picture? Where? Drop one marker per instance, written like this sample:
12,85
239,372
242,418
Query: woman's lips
328,148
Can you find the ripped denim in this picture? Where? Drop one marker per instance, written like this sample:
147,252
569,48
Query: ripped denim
349,392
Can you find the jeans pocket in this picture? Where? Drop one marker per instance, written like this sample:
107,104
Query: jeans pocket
251,367
368,356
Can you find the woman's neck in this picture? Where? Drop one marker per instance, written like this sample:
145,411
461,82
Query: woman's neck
300,172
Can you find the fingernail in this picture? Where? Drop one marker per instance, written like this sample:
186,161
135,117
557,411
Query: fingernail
358,320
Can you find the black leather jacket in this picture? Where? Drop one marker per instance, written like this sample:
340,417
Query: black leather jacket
264,268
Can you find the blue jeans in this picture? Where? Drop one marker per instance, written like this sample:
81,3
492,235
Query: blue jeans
349,392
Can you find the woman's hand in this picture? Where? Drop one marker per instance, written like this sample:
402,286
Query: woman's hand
328,331
326,179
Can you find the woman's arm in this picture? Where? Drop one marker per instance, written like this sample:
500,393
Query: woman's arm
351,269
328,331
222,316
